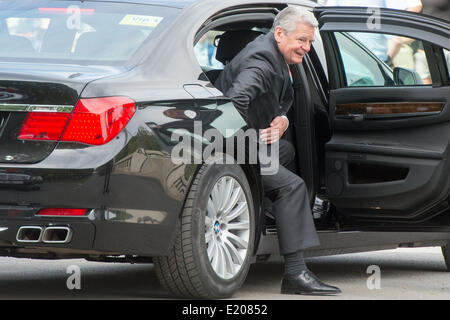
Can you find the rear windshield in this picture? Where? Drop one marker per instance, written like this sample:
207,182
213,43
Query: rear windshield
63,31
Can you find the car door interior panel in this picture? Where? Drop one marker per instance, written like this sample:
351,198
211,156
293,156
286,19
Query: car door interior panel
389,150
388,157
374,110
377,108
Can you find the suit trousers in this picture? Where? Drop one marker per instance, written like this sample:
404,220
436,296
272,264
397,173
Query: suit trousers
287,196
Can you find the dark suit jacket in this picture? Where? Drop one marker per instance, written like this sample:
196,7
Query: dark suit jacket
258,83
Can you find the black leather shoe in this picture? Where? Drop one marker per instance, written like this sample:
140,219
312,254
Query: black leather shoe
307,283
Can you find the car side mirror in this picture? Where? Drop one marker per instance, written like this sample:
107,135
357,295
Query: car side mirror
406,77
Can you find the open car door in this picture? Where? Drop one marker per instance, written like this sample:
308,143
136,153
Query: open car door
388,159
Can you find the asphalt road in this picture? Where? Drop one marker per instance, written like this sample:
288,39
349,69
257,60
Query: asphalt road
418,273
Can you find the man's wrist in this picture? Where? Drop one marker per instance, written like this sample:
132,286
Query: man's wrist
283,116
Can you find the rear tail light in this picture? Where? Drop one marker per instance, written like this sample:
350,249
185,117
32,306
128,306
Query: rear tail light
98,120
93,121
43,126
62,212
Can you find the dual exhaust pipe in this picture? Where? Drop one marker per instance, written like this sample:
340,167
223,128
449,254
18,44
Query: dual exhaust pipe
37,234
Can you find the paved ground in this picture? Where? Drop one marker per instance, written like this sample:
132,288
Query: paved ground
418,273
404,274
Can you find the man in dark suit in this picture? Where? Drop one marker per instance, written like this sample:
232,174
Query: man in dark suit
258,82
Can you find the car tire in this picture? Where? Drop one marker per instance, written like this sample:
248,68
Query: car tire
211,259
446,254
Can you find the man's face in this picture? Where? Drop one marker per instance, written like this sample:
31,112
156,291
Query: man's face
295,45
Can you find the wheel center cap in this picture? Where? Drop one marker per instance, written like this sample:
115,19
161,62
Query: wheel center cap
217,227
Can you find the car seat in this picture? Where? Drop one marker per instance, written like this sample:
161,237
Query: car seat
229,44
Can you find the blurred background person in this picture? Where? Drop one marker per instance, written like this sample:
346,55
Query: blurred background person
437,8
395,51
409,5
382,46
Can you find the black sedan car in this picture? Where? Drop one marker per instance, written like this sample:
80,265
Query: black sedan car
96,97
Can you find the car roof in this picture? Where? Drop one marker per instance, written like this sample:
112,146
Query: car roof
167,3
185,3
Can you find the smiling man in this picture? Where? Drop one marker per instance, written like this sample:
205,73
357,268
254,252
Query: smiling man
257,81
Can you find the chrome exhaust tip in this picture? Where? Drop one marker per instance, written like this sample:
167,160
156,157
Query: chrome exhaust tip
29,234
57,235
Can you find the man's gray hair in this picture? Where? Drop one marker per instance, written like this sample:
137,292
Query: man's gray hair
289,17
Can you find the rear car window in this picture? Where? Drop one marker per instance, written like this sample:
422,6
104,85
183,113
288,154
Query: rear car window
77,31
447,59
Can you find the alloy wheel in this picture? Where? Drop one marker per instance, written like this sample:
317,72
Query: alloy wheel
227,227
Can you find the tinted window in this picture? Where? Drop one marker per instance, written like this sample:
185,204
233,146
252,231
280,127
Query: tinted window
205,51
447,58
373,59
68,30
360,67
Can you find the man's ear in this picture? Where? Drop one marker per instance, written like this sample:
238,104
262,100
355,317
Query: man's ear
279,33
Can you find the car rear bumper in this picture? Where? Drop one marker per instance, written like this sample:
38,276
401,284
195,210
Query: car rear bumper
133,199
87,238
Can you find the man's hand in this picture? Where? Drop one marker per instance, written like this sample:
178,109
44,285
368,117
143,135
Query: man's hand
275,131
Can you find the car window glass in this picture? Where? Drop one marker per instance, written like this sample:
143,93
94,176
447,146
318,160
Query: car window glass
80,31
375,59
447,58
361,68
205,51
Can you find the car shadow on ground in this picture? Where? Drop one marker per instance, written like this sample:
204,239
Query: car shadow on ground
36,279
102,281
